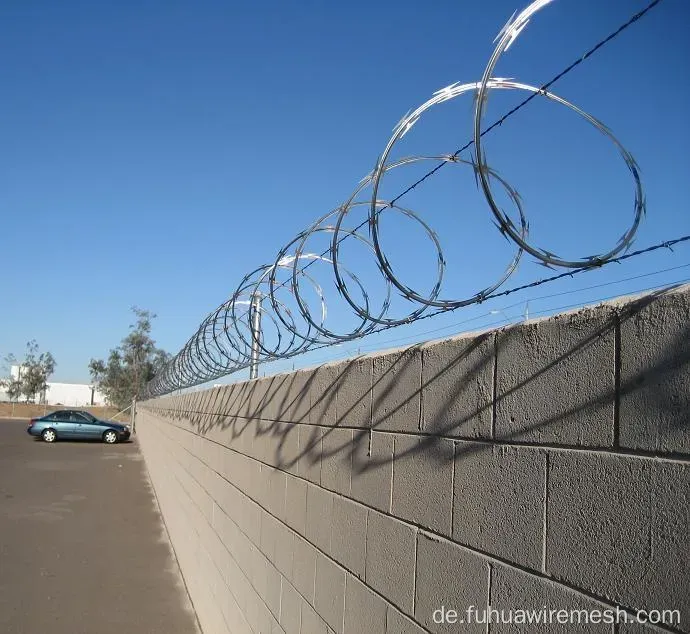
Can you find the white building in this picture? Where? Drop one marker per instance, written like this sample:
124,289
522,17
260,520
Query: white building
70,394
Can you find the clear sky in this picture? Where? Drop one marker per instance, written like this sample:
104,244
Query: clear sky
154,152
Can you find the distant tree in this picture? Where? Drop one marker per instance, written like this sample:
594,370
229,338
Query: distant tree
131,365
33,373
37,368
11,385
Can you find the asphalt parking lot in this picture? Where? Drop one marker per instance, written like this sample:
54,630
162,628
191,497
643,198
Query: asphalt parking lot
82,546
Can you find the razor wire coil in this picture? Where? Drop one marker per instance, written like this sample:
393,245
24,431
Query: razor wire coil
224,341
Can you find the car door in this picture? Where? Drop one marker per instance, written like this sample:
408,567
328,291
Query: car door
62,424
87,427
80,427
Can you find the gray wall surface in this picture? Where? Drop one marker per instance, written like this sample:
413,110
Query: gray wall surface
542,464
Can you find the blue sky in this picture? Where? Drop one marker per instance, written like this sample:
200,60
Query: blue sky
154,152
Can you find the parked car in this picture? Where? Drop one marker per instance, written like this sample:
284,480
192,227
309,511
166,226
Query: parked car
71,423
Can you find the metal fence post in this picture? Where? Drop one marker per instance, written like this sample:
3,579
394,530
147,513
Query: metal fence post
255,325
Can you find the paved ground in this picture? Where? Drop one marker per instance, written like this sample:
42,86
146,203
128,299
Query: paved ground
82,546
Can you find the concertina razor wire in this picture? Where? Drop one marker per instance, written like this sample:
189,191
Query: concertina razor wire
292,324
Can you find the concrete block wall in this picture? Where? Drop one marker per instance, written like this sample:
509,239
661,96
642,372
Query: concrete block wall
543,464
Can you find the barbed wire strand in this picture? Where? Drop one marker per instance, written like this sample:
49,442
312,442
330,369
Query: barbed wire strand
539,298
412,340
667,244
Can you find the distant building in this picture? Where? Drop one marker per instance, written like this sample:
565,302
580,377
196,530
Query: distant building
71,394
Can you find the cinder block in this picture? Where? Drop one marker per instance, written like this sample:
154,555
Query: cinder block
268,406
655,373
290,609
205,419
239,435
364,610
259,576
206,452
226,457
243,400
243,436
276,481
233,400
254,443
336,460
243,472
319,517
617,526
296,504
323,392
275,627
265,619
249,519
241,591
304,568
234,618
245,556
396,390
260,488
310,450
298,400
499,497
214,457
216,549
457,386
201,499
372,469
269,535
329,599
262,444
222,431
233,578
226,400
555,380
220,491
284,550
398,623
349,535
209,612
312,623
226,530
353,405
273,590
287,447
423,481
513,590
390,559
251,614
212,404
258,389
280,396
449,576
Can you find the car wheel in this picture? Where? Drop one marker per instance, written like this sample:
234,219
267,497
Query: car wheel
110,437
49,435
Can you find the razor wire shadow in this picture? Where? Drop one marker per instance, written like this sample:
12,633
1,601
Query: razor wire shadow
296,409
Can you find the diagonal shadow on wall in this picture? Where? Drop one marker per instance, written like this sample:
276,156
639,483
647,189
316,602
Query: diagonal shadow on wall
280,405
